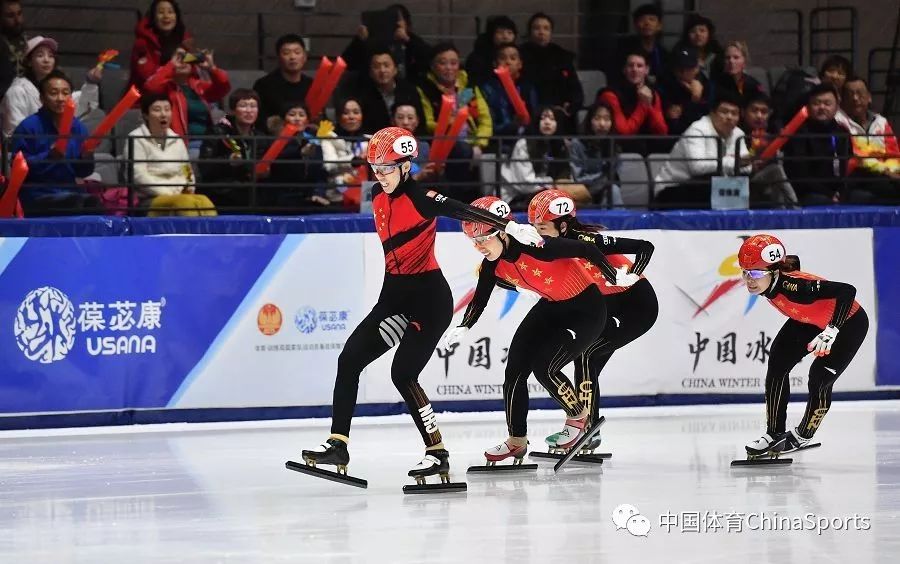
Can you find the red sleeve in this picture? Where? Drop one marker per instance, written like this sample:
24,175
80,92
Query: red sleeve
161,79
630,125
217,88
144,61
656,119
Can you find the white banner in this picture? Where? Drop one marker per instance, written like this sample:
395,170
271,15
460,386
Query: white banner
281,345
711,335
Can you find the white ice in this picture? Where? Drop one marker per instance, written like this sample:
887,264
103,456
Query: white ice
221,493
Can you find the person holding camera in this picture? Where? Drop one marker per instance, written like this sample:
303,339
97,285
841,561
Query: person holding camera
392,27
190,94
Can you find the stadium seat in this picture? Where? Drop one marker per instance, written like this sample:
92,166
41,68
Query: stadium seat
591,82
761,75
112,87
244,78
634,180
129,122
487,168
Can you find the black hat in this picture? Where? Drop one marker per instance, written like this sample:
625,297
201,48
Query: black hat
685,58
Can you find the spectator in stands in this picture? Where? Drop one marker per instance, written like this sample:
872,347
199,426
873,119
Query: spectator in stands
875,168
593,156
816,156
297,176
50,187
163,177
287,83
700,33
406,115
551,68
501,30
542,162
190,95
226,162
13,43
793,88
503,116
685,179
647,19
345,151
382,89
409,50
733,78
636,107
769,185
445,77
23,99
156,37
835,70
685,91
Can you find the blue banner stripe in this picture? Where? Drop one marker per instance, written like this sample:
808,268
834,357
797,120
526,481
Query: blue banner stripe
9,248
284,252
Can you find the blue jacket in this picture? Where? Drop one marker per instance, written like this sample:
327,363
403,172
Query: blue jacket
52,177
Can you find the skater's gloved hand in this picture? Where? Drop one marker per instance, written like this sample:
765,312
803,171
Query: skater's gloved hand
625,278
452,337
821,345
525,234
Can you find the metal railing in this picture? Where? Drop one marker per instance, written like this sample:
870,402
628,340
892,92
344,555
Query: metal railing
631,173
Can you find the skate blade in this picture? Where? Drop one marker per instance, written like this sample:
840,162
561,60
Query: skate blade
447,487
806,447
585,458
503,468
576,448
765,461
326,474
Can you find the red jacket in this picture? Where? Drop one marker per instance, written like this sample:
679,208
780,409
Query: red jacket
209,91
146,52
644,116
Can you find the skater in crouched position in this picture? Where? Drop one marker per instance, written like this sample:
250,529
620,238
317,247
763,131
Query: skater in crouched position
824,319
569,317
631,310
415,305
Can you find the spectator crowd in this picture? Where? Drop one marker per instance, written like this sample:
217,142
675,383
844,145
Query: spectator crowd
197,150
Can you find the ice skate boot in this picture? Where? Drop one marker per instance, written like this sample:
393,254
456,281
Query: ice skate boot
764,451
794,441
331,452
504,451
436,462
559,444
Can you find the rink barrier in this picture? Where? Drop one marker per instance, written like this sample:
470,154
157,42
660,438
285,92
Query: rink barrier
808,218
218,415
883,223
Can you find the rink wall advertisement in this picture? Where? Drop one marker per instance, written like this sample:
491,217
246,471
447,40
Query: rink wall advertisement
234,321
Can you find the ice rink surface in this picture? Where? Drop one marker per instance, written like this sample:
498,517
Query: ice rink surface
221,493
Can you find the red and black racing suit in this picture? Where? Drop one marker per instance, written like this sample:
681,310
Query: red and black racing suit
415,305
631,311
557,329
810,303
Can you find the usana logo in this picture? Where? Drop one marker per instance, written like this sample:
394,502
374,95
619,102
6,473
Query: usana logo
46,325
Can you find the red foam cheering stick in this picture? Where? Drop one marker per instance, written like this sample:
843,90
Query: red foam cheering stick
65,127
90,144
786,132
330,81
10,198
510,87
275,149
440,154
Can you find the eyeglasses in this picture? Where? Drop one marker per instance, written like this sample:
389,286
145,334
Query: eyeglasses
483,238
755,274
384,169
